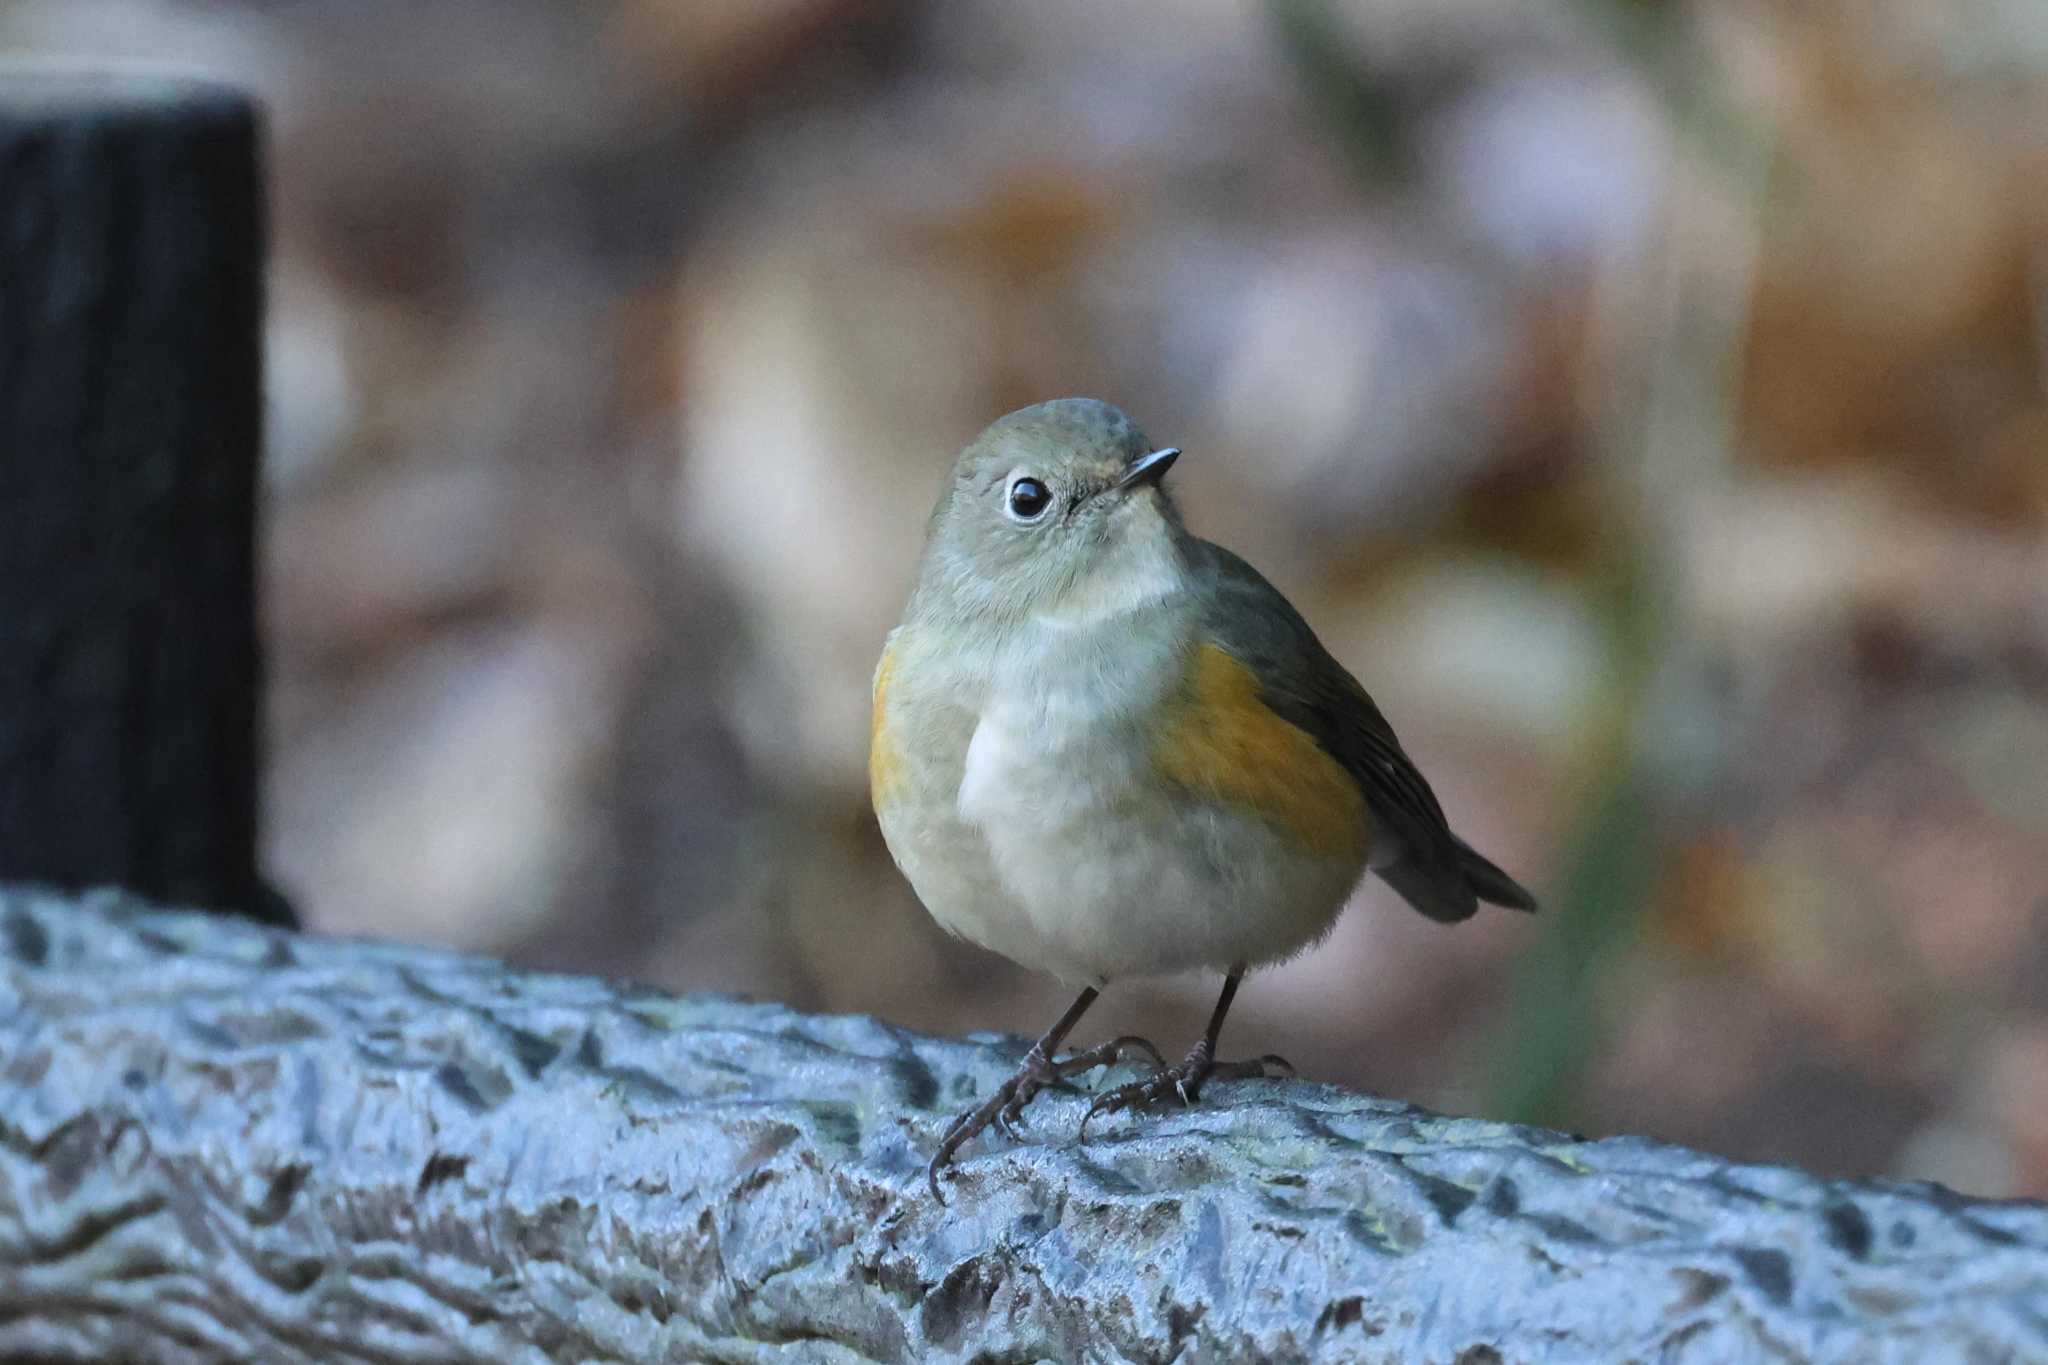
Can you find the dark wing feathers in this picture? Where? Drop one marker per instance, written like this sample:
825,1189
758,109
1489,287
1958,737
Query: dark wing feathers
1438,873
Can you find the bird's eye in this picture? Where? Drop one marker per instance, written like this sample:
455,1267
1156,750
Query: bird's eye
1028,499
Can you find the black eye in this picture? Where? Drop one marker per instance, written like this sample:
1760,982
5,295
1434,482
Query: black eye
1028,498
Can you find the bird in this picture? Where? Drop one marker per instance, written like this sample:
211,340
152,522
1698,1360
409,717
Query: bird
1104,747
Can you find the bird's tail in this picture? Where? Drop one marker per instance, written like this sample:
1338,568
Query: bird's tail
1492,885
1451,893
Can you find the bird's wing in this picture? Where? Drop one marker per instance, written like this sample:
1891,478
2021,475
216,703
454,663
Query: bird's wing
1436,872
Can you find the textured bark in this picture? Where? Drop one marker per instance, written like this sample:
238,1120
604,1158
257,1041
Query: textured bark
222,1142
131,262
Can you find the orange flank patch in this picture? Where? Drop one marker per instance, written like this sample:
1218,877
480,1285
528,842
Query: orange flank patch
1225,744
885,762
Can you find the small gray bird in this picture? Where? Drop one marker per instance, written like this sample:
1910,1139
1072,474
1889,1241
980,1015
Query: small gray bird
1103,747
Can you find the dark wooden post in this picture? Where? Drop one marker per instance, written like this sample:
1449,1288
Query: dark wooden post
131,265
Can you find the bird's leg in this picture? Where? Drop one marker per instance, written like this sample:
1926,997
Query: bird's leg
1005,1108
1184,1082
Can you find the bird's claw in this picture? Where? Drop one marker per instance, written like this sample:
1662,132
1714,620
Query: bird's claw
1183,1082
1005,1108
1010,1118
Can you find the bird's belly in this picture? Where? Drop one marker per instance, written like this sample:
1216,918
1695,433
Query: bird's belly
1102,869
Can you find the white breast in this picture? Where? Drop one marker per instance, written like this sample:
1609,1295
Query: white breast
1036,766
1103,873
1062,733
1082,862
993,756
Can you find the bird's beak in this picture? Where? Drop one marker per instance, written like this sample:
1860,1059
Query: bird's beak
1148,468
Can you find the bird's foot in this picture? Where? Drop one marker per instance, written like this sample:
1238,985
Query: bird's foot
1184,1082
1005,1108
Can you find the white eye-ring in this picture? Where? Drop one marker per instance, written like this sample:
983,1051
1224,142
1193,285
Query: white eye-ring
1028,498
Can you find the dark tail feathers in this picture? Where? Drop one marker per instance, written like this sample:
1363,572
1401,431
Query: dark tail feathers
1494,886
1441,896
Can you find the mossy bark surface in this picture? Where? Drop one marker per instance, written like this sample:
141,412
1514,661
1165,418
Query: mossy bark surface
220,1141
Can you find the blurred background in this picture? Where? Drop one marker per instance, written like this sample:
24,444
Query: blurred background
1648,400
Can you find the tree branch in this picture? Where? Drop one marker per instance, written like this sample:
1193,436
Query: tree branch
225,1142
